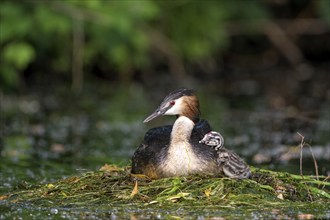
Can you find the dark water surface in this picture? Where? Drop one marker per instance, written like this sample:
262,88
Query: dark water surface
52,136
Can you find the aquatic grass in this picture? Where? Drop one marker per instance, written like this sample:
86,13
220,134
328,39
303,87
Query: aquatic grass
114,186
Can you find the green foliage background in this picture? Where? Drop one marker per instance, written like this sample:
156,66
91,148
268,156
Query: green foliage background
118,36
124,35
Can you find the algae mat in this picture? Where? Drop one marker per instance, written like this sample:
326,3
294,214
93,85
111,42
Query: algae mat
112,192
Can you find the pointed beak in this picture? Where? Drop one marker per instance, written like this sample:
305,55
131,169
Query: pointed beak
158,112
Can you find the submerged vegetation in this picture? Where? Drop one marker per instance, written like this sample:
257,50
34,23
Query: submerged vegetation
114,188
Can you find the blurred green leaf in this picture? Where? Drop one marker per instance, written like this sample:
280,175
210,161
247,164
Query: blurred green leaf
8,76
19,54
121,33
50,21
14,23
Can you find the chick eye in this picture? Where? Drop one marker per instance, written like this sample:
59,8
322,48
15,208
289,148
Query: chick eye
172,102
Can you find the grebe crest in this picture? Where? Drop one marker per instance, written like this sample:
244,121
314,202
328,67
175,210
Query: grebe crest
213,139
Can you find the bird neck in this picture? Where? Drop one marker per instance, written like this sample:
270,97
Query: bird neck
181,131
190,108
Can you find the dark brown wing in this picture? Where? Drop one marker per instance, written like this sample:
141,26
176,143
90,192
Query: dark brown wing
151,151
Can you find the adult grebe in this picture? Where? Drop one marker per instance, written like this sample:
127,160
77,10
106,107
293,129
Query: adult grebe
230,163
175,150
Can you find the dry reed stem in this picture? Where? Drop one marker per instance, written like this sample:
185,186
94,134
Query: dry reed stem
302,144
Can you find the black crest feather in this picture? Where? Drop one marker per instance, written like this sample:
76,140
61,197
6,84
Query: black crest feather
179,93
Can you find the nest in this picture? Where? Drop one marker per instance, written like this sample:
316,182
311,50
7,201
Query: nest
114,186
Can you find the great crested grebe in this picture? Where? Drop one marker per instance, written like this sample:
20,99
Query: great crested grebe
175,150
230,163
183,148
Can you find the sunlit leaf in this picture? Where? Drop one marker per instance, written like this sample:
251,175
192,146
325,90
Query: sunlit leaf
20,54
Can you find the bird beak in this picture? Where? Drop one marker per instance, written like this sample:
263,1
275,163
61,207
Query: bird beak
154,115
158,112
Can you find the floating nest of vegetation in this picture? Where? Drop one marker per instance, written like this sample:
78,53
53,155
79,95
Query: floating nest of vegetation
114,186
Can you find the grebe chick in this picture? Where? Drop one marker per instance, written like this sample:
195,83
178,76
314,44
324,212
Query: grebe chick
213,139
175,150
230,163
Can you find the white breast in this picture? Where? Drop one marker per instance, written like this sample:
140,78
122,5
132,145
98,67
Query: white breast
181,161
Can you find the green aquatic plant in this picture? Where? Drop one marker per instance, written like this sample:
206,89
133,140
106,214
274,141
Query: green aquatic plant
114,186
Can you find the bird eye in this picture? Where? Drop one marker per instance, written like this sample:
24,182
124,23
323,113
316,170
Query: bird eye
172,102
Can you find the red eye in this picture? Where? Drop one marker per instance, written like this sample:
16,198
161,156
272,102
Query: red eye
172,102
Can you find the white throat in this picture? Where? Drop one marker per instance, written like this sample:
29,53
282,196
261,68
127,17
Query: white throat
181,159
181,131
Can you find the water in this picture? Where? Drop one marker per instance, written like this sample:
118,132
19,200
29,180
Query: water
201,213
50,137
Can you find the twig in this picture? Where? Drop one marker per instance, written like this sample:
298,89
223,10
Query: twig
315,162
326,179
302,143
